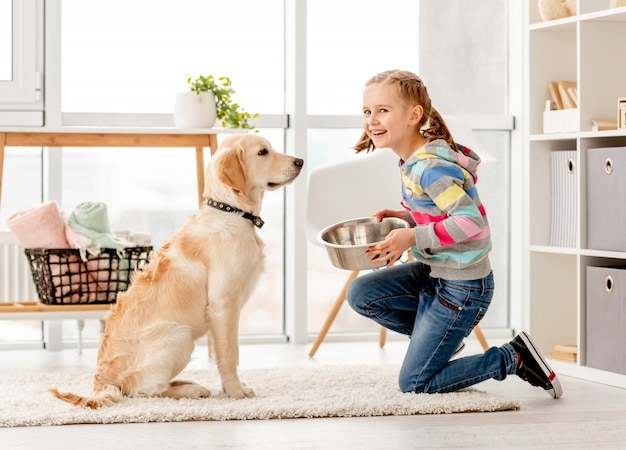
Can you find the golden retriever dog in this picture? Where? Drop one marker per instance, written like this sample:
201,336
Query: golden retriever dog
197,282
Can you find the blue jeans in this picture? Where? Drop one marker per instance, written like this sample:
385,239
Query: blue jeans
437,315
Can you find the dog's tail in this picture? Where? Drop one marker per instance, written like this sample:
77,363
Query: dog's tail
104,398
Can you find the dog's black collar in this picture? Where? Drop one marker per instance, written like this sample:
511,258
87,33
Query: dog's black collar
256,220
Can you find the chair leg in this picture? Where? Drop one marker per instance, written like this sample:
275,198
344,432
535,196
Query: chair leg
481,337
333,313
81,326
383,337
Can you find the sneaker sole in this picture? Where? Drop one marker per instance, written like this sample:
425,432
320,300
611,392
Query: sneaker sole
556,390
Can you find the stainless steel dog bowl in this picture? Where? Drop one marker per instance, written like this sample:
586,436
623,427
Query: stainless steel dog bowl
346,242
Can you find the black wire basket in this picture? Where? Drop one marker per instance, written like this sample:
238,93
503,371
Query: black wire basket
63,278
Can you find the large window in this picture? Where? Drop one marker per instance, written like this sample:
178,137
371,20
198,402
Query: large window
122,63
124,56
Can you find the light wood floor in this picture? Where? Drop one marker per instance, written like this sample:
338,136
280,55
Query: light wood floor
589,415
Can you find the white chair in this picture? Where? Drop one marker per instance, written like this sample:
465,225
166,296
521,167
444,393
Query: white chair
355,188
359,187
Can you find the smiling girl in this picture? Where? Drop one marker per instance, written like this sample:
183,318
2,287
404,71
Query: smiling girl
440,297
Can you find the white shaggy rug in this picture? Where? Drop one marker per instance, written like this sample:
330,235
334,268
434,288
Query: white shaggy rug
298,392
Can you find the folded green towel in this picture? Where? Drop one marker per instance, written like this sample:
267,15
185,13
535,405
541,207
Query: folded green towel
91,219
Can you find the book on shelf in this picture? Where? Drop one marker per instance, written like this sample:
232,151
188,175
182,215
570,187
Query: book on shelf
601,125
570,357
568,92
563,94
569,348
553,88
565,352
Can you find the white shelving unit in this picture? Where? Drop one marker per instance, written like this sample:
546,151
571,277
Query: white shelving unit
587,48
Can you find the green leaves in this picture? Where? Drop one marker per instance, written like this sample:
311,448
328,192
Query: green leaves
229,113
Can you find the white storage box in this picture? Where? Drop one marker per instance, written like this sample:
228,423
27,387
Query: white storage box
563,225
560,121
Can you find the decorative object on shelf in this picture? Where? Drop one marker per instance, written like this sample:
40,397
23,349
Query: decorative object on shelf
621,113
556,9
207,101
618,3
560,121
561,113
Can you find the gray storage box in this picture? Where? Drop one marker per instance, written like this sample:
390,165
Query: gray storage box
606,319
606,198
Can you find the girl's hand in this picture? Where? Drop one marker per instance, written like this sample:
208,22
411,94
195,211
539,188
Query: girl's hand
380,215
392,248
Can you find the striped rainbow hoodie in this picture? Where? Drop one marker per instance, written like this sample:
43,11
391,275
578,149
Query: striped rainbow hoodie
451,228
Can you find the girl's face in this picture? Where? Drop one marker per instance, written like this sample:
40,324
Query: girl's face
389,121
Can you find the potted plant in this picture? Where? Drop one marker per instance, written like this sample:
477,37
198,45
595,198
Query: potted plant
207,101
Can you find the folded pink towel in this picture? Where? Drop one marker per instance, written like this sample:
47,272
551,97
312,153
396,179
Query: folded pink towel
39,227
45,226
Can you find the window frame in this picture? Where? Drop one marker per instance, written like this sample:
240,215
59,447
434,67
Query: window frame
21,98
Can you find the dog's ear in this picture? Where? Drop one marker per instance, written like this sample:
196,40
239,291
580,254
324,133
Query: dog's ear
231,171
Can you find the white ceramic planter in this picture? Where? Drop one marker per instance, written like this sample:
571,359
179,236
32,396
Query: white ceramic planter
194,111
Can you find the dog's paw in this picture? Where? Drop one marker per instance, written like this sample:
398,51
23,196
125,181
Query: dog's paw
201,392
185,389
239,391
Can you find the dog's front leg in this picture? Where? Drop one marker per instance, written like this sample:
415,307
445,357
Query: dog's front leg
225,335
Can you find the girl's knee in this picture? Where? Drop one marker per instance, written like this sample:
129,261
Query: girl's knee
359,294
408,384
404,386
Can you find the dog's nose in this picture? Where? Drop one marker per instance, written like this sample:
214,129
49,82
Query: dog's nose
299,162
